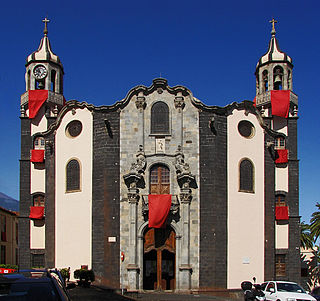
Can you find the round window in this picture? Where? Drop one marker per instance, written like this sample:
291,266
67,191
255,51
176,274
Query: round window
246,129
74,128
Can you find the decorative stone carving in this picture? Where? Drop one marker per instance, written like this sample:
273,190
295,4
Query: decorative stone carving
184,176
133,196
179,102
141,102
135,178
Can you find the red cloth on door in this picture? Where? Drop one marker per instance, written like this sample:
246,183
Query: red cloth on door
280,103
282,156
36,100
159,207
282,213
37,155
36,212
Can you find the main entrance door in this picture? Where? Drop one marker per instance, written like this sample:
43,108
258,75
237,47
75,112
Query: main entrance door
159,247
159,259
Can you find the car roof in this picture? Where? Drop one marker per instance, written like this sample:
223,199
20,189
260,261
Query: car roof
26,276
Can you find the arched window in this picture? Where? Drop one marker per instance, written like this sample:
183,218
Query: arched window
38,200
53,81
265,80
73,176
160,118
159,179
39,143
277,78
246,176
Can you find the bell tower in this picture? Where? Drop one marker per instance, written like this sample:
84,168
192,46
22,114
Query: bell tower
278,106
44,71
39,107
274,73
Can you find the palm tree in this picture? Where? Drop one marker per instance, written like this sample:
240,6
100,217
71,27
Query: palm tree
315,223
306,238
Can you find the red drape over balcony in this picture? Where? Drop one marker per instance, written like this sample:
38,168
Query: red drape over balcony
280,103
36,100
36,212
282,156
37,155
282,213
159,207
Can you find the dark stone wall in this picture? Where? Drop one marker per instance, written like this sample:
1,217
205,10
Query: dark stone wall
269,207
213,202
106,198
293,268
25,198
50,201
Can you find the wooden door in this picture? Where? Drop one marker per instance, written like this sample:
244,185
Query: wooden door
159,259
159,179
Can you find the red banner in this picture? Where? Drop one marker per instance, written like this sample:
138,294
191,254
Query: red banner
36,100
282,156
159,207
37,155
36,212
280,103
282,213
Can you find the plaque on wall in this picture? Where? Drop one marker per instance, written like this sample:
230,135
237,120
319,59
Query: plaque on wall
160,145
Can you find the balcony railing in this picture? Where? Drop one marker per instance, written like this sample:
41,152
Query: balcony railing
52,97
174,204
265,98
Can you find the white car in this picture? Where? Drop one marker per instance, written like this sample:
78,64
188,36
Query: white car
285,291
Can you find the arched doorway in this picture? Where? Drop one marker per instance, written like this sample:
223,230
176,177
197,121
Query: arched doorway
159,249
159,245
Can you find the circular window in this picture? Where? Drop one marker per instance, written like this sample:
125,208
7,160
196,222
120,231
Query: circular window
246,129
74,128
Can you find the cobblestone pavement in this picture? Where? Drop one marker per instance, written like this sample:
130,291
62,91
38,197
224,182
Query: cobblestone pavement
179,297
96,293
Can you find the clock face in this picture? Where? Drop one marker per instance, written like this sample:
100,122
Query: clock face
40,72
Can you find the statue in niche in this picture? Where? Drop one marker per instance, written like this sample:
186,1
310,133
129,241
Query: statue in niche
182,168
139,166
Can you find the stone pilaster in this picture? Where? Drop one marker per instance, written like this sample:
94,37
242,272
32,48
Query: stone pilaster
185,268
132,267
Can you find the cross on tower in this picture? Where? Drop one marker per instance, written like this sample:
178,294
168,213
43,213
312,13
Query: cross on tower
45,21
273,31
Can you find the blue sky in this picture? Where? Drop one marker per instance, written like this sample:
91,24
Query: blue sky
211,47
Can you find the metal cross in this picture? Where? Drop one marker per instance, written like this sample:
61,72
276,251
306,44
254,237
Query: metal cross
273,28
45,21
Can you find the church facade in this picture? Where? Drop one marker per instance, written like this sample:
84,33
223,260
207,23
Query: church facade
160,191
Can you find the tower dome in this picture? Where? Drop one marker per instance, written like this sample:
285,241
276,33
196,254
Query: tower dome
274,54
44,52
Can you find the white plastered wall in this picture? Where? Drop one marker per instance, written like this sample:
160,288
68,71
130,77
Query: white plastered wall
245,210
282,236
37,178
73,216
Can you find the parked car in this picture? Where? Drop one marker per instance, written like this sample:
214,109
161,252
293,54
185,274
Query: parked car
285,291
32,285
316,293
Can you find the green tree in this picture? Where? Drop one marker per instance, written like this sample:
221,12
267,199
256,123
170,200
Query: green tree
306,238
315,223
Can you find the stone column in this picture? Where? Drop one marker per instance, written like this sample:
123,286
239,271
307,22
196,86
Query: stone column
185,267
132,267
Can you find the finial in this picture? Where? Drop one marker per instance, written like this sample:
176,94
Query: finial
273,31
45,21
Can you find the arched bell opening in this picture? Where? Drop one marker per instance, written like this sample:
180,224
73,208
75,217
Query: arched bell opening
159,259
278,78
